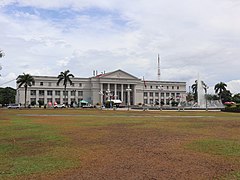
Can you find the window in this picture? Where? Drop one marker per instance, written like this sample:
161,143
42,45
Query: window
49,84
65,93
72,100
145,101
41,101
145,94
80,93
172,94
57,100
156,87
33,83
172,87
162,94
151,94
41,83
73,93
41,92
33,92
80,84
72,84
151,101
150,87
177,87
49,93
178,95
57,93
33,100
157,94
49,100
167,94
167,87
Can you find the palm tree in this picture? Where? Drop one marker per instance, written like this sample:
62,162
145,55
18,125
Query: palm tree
65,77
220,88
25,80
195,87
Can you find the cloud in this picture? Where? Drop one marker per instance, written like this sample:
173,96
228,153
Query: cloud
191,37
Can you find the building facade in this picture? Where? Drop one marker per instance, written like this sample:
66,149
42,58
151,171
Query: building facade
100,88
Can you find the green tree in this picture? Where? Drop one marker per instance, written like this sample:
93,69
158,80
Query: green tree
226,96
25,80
7,95
195,87
220,88
65,77
236,98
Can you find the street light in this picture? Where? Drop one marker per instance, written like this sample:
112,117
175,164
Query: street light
128,91
160,88
206,98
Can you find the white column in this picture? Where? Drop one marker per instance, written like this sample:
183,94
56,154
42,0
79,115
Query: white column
53,96
121,92
61,96
45,97
69,97
134,94
100,95
115,91
37,96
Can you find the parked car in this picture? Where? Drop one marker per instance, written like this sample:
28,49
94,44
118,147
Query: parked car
13,106
59,106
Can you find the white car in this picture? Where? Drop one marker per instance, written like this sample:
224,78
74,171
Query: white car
59,106
13,106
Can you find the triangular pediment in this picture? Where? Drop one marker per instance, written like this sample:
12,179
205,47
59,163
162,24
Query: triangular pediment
119,74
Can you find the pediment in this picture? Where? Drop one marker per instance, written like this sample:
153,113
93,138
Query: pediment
119,74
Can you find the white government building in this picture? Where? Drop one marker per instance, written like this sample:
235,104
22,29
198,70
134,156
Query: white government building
102,87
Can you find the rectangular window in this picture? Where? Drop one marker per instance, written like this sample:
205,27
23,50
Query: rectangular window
73,93
80,93
33,92
65,93
57,93
145,101
73,84
49,84
150,87
145,94
167,94
178,95
172,87
167,87
151,101
49,100
156,87
162,94
177,87
41,101
49,93
151,94
173,94
41,83
33,83
41,92
33,100
57,100
72,100
80,84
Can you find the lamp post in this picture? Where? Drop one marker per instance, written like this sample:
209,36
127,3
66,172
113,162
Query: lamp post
108,92
128,91
160,88
206,97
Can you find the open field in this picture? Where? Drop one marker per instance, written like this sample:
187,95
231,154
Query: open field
94,144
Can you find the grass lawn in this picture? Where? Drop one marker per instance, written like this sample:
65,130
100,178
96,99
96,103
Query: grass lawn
94,144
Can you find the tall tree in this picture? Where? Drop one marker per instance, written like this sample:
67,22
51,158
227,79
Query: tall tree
7,95
195,87
65,77
25,80
220,88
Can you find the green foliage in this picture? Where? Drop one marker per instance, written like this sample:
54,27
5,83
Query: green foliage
216,147
7,95
236,98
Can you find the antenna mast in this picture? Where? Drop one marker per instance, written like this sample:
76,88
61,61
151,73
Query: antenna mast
158,68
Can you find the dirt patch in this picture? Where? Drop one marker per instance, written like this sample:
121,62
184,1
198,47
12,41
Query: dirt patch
125,153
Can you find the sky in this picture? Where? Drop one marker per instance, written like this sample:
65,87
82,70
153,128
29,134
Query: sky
191,37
